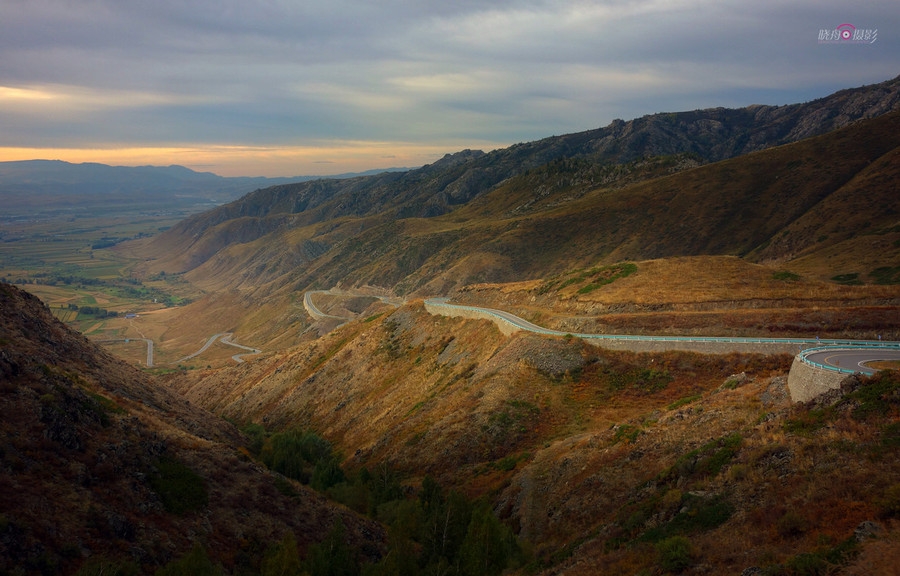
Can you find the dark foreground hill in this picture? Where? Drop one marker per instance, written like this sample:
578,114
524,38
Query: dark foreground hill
103,469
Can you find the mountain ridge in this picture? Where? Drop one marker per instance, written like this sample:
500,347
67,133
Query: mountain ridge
766,206
335,211
30,187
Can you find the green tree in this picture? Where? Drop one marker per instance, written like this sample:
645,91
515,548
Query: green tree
445,528
489,545
400,559
282,559
332,557
180,489
327,473
256,437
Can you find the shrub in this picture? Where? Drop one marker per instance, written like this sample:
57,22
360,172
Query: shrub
100,566
709,459
807,564
626,432
785,276
808,421
675,554
791,524
890,435
889,504
641,379
682,401
607,275
851,279
697,515
886,275
876,396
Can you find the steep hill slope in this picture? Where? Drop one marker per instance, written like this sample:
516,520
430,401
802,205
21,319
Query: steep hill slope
539,208
102,467
832,193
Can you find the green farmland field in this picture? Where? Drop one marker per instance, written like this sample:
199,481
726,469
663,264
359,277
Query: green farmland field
70,265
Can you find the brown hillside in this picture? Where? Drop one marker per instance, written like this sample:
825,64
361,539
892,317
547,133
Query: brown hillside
540,208
807,201
592,456
697,295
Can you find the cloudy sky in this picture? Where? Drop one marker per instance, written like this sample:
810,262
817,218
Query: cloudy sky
292,87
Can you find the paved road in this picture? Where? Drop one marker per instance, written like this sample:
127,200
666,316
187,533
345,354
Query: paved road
854,360
210,342
863,351
314,311
224,338
317,314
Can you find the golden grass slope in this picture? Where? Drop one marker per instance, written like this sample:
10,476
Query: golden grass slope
584,451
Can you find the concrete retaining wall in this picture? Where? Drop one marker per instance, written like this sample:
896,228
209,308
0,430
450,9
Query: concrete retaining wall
805,382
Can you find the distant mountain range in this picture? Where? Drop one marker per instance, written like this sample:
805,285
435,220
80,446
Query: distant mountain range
602,195
33,187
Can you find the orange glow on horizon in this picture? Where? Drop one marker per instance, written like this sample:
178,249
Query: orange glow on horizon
313,160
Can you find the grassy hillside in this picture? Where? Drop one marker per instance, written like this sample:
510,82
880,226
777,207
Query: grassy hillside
599,461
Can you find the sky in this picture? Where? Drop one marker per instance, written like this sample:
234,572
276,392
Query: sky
317,87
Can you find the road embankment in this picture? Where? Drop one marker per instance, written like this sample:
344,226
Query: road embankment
509,324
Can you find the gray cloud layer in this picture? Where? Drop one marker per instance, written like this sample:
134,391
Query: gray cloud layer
99,73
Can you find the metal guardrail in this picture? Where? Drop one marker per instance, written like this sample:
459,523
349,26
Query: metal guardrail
802,356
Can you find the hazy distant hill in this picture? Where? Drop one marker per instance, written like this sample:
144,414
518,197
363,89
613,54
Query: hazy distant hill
52,186
537,208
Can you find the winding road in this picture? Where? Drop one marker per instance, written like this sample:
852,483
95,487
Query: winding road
314,311
224,338
839,355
